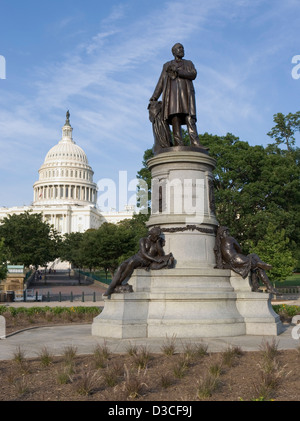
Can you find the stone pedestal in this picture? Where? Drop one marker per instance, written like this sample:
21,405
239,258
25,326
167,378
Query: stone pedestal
187,303
183,205
193,299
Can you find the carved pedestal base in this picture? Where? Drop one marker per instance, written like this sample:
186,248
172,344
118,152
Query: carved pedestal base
193,299
187,303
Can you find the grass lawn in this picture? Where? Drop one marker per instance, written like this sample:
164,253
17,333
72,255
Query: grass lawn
291,281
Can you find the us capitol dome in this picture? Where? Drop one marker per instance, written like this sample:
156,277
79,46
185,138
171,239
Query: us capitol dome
65,192
65,176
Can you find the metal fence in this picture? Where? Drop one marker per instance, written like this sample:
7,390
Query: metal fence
288,290
83,297
51,297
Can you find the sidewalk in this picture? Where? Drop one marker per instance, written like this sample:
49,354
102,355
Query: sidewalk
56,338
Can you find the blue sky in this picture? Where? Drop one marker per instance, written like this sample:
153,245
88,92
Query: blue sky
102,59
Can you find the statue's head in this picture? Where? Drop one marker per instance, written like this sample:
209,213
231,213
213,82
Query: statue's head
155,232
223,231
178,50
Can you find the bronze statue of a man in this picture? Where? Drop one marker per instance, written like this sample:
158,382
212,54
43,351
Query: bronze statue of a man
178,95
150,256
229,255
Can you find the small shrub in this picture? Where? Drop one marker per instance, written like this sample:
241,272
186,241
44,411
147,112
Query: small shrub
142,357
189,351
99,360
207,385
86,382
169,347
132,350
215,369
3,309
265,388
101,353
46,357
21,385
286,312
133,384
49,316
201,350
64,373
112,373
180,367
271,373
269,351
165,380
104,351
69,354
47,311
19,355
230,354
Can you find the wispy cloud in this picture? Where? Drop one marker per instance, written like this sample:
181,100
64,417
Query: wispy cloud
107,80
111,71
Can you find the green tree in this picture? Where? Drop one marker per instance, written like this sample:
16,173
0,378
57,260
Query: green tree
254,186
112,243
109,245
284,130
29,240
3,260
89,249
274,248
134,229
70,249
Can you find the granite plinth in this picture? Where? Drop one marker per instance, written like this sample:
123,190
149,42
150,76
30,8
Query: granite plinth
187,303
193,299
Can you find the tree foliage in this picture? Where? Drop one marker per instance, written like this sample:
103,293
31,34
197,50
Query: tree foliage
274,248
254,186
105,247
70,249
3,260
29,240
284,130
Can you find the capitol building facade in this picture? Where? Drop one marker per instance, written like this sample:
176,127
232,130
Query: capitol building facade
65,193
